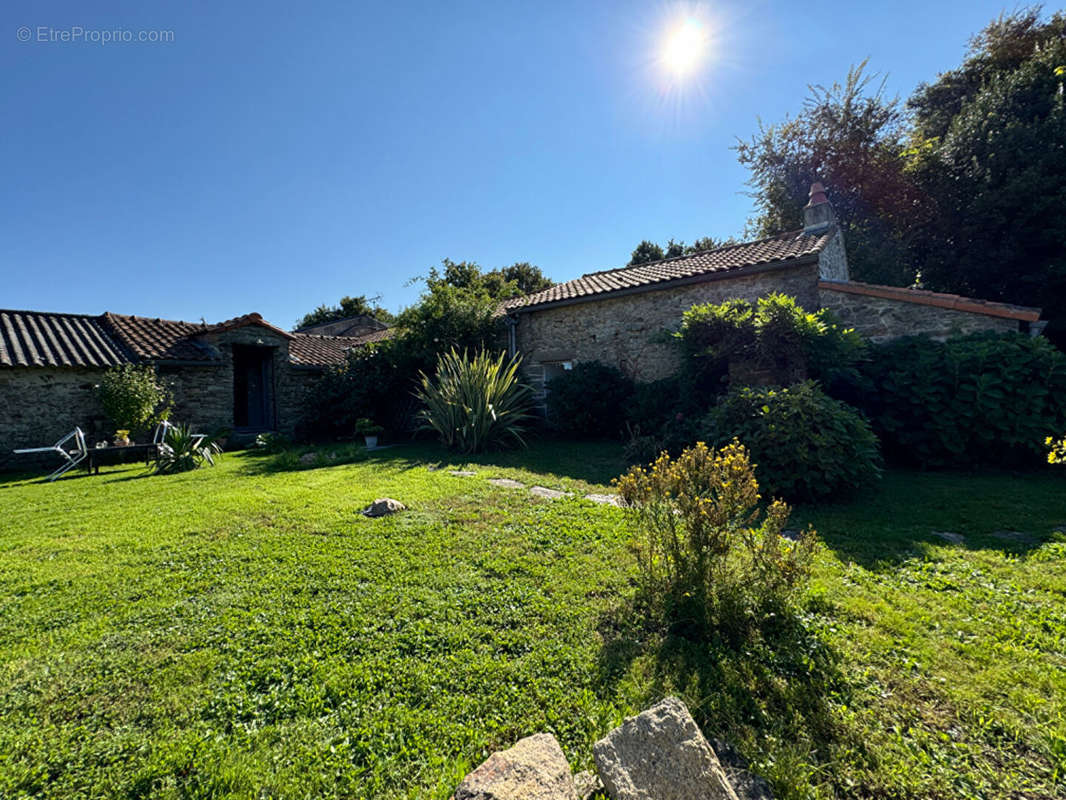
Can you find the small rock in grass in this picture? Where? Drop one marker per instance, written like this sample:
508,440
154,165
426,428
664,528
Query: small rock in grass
308,458
586,784
954,538
550,494
534,769
383,506
606,499
661,754
507,483
1020,537
462,473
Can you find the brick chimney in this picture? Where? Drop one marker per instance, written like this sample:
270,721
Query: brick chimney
817,214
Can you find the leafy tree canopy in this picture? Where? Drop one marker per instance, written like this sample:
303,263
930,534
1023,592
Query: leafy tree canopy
518,279
960,190
850,136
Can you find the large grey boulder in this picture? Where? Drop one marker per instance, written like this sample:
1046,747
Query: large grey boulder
383,506
534,769
660,754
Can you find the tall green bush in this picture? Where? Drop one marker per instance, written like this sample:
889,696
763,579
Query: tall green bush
589,401
133,397
974,400
774,337
475,402
805,444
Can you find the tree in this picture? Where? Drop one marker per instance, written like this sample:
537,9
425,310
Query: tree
989,146
518,279
348,307
849,136
645,253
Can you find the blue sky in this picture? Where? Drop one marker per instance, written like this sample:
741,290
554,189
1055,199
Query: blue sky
275,156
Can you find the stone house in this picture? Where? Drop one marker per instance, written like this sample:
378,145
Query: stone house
243,375
624,317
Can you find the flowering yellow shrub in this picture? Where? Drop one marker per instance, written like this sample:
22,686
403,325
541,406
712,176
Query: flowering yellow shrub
702,541
1057,453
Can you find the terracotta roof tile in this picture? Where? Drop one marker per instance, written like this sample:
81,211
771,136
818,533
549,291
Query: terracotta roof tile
313,350
160,339
784,247
40,339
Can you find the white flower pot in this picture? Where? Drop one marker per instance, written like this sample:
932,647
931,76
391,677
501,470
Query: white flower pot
371,442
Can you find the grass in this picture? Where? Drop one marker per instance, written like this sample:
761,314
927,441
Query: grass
242,631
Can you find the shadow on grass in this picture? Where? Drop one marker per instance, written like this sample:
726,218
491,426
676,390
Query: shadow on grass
591,462
911,512
769,690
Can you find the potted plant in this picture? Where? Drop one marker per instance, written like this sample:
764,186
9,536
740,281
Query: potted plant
369,430
122,438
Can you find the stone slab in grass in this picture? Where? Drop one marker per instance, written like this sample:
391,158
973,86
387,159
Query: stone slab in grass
1016,537
383,506
534,769
549,494
948,536
507,483
605,499
462,473
661,754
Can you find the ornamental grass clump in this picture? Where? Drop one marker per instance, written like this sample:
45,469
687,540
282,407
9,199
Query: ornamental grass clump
709,558
475,402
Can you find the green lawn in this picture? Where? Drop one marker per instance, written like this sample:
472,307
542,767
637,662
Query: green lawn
244,632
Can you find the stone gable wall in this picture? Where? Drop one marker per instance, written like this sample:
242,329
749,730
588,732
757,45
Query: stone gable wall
880,318
631,332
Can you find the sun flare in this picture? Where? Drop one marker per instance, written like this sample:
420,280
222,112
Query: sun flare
685,47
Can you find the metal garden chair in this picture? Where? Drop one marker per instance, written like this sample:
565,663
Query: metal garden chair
71,456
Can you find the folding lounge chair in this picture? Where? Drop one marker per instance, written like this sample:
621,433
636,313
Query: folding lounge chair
72,457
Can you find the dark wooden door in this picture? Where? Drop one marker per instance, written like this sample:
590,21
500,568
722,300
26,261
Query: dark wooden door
253,387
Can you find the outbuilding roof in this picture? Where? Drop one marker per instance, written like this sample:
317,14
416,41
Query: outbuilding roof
42,339
783,248
36,339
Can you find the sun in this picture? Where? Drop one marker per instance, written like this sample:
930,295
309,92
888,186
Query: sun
685,47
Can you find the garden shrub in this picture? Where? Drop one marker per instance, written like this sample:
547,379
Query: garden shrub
475,402
182,450
774,337
589,401
133,397
974,400
707,557
806,445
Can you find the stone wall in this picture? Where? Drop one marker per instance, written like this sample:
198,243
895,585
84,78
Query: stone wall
631,332
38,405
882,318
833,260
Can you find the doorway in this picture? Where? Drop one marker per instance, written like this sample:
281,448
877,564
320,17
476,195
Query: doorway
253,387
